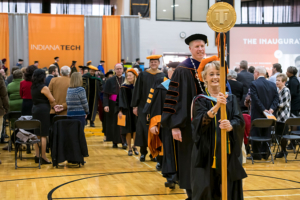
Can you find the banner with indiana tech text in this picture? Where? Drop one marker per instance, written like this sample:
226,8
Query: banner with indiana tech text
56,35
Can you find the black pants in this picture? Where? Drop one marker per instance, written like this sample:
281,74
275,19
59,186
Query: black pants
143,150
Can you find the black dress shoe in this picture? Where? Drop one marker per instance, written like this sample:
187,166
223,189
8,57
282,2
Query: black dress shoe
170,185
281,154
289,147
115,146
36,159
130,153
152,159
92,124
136,152
158,166
124,146
45,162
143,158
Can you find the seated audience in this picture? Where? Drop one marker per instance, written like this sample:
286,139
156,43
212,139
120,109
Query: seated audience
43,101
77,105
283,112
58,88
264,98
13,89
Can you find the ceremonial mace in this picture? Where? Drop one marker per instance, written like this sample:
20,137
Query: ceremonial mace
221,17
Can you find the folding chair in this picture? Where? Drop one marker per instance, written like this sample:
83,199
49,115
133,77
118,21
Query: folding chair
262,123
293,135
59,117
28,125
12,116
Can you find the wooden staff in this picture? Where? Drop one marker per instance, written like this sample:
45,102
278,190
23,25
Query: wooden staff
223,117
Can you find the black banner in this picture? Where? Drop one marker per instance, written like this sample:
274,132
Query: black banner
140,6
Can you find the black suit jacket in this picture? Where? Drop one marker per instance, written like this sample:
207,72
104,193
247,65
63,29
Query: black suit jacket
246,78
264,96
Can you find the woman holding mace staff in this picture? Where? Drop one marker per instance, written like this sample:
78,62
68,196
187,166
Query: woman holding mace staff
207,125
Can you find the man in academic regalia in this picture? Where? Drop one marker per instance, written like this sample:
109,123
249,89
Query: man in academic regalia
110,93
56,59
73,67
141,90
160,138
177,108
101,66
36,63
20,63
93,87
83,70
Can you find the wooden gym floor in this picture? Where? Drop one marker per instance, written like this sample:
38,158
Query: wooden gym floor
111,174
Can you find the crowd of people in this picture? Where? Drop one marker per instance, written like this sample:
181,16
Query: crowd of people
152,110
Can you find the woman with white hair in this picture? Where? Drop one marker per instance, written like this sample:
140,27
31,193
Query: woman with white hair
236,87
206,126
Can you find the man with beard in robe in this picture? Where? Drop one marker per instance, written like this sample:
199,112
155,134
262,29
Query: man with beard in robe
93,87
110,93
177,108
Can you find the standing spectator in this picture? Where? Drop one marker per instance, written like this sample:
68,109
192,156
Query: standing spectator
56,59
264,98
294,87
58,88
237,70
2,72
42,99
53,72
10,77
93,87
25,93
25,90
3,65
20,64
77,105
237,88
283,112
137,62
13,89
251,69
246,78
4,105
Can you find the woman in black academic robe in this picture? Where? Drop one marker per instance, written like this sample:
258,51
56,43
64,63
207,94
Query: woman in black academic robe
124,101
206,153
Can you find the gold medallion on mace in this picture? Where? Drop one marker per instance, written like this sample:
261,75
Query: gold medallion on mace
221,17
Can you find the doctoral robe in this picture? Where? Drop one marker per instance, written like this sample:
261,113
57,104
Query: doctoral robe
110,93
177,114
124,102
93,87
206,180
164,139
140,94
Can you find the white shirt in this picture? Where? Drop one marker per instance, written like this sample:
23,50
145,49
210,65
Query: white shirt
273,78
